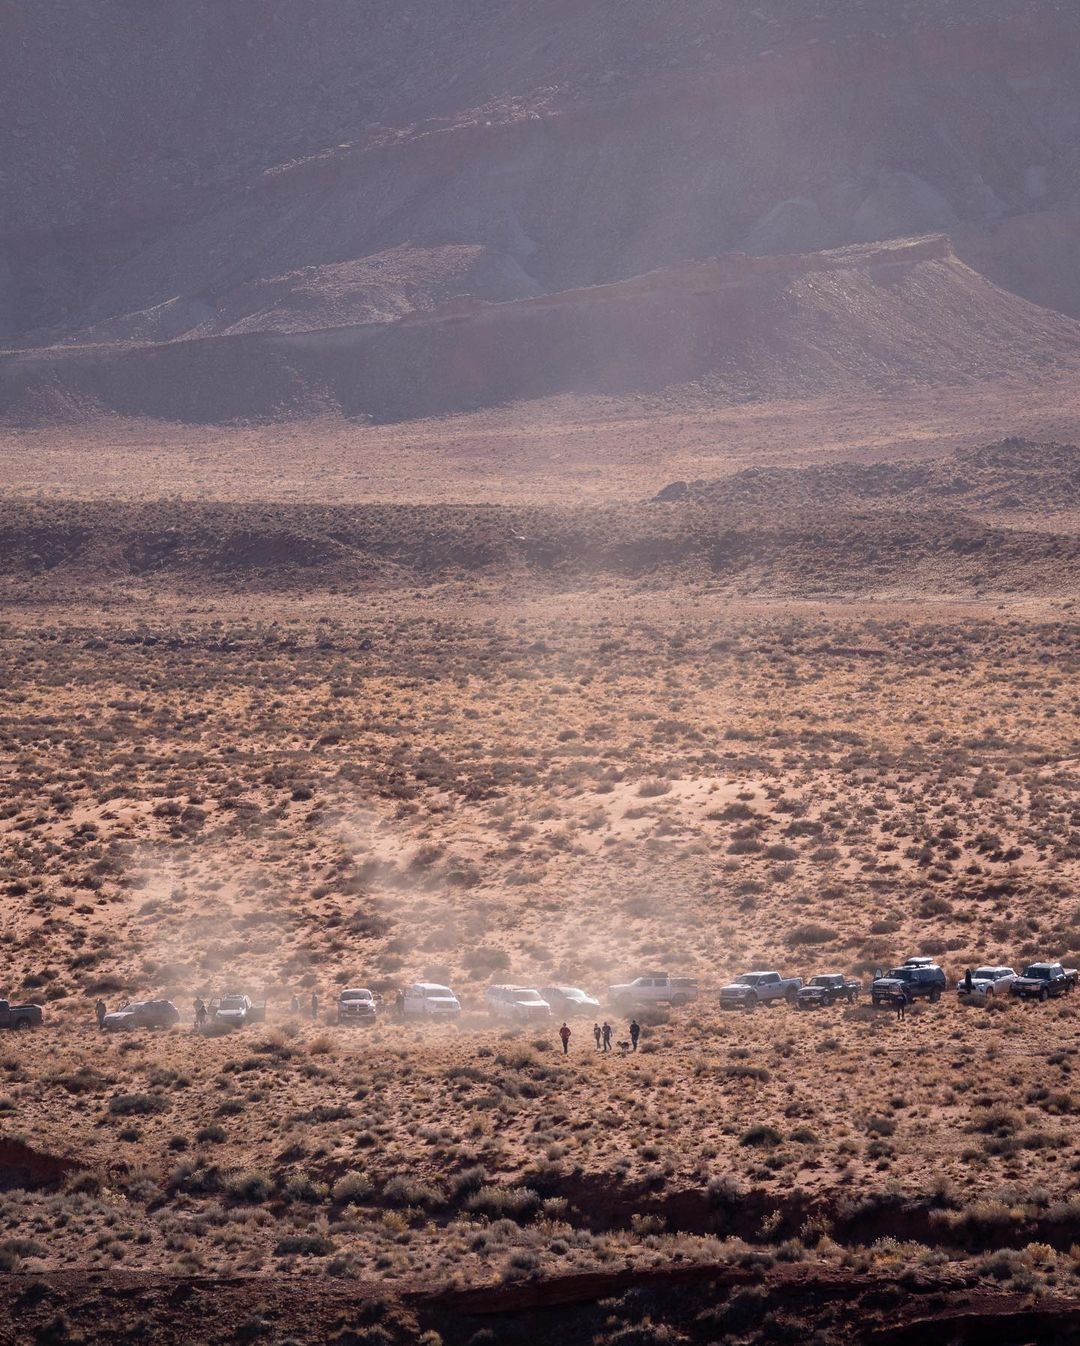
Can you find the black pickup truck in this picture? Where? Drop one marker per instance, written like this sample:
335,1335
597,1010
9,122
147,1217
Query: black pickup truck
826,989
1043,980
19,1016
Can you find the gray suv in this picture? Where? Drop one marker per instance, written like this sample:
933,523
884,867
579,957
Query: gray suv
913,983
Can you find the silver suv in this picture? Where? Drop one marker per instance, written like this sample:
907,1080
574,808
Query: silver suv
521,1003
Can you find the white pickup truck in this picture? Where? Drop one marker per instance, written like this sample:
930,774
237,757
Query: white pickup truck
655,989
759,988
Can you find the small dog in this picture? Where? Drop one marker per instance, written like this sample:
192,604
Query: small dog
624,1046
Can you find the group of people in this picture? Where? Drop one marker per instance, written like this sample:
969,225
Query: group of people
602,1035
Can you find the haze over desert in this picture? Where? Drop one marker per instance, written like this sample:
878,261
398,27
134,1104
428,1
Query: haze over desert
518,517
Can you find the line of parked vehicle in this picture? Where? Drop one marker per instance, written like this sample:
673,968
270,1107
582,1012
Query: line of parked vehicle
915,979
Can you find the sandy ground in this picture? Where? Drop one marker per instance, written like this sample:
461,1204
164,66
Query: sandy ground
552,452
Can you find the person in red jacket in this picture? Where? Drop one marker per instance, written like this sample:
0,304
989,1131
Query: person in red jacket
564,1033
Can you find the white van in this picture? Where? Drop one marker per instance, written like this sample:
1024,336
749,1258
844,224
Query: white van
429,1000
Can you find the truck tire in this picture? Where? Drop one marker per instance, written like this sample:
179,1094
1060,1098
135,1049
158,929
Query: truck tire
935,995
22,1025
1044,995
876,1000
752,1000
679,1000
791,995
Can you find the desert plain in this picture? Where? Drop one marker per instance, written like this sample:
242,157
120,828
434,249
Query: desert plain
538,493
799,718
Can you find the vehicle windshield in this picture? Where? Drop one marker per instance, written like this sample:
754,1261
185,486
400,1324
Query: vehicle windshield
1039,971
825,981
234,1002
989,973
571,992
751,978
438,993
356,995
529,998
901,974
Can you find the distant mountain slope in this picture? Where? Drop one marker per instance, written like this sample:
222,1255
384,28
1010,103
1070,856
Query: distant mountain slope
176,156
737,328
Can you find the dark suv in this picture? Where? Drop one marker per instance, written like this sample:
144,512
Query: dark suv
913,983
141,1014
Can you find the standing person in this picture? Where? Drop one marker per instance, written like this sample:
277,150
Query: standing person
314,1006
100,1010
967,981
564,1033
597,1035
294,1004
606,1035
635,1033
901,1005
200,1014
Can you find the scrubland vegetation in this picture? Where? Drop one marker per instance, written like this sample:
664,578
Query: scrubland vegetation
293,797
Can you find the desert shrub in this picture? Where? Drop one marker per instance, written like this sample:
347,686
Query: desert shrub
498,1203
299,1187
304,1245
84,1080
137,1105
210,1135
744,846
88,1184
483,961
778,851
746,1072
724,1192
197,1179
468,1180
743,1310
761,1136
351,1189
405,1191
652,789
998,1120
811,933
249,1184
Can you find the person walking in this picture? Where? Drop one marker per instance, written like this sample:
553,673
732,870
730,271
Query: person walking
606,1036
564,1034
635,1033
200,1014
294,1005
901,1005
314,1006
100,1010
597,1035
